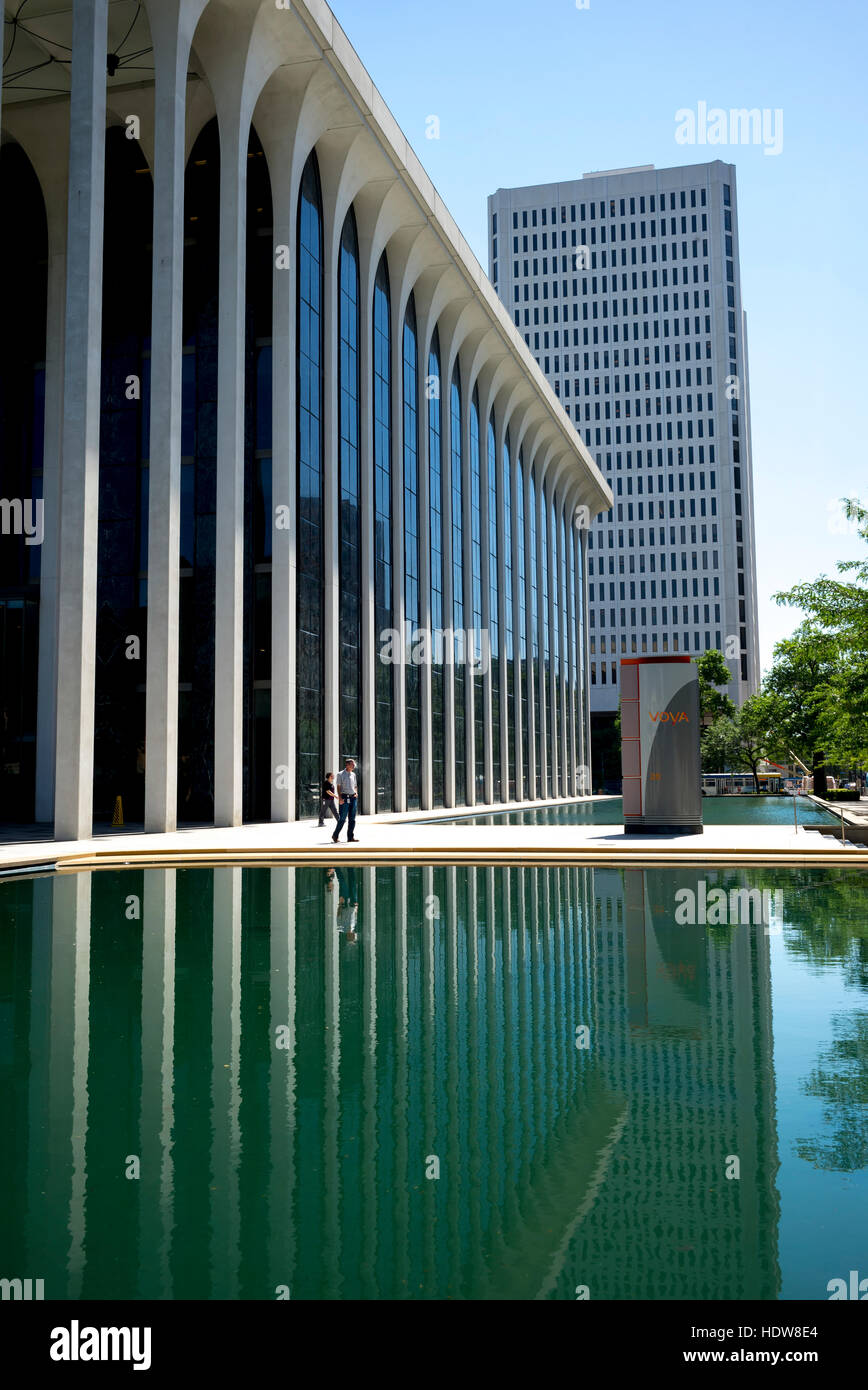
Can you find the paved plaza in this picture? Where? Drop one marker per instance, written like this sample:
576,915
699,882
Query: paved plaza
415,838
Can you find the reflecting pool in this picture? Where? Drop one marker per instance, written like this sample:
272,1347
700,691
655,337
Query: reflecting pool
429,1083
716,810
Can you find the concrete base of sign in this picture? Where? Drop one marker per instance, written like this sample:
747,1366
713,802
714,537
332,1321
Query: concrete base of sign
646,829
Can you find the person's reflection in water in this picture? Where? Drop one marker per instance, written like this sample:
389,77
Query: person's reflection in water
348,902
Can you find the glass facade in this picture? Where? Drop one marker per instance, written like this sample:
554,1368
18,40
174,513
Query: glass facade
309,546
475,650
567,744
523,791
535,670
382,400
258,501
546,722
196,589
494,614
122,558
350,511
435,507
24,245
508,623
413,674
555,699
575,754
459,653
581,694
485,572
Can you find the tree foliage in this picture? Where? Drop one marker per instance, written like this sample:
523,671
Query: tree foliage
713,671
740,741
821,672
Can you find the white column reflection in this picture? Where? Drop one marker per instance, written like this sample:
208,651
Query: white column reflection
38,1150
282,1005
369,1085
225,1083
70,1041
331,1106
157,1099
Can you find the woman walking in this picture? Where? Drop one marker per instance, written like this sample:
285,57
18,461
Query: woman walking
327,800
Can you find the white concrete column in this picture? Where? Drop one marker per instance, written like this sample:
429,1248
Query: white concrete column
581,614
583,746
572,633
507,754
563,614
398,672
79,479
229,594
448,606
576,625
575,630
331,496
283,488
551,618
542,617
517,750
171,52
533,670
557,681
467,576
370,646
485,567
530,770
564,648
557,548
426,721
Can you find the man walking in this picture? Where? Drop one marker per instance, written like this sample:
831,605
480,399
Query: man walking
348,794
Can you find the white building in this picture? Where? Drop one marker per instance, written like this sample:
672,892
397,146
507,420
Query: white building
626,287
232,295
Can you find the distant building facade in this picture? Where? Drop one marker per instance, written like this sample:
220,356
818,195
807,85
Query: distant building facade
627,289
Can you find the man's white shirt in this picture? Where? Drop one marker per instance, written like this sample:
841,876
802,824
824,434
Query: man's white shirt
347,785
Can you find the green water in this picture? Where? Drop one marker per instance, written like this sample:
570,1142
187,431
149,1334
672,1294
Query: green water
230,1083
716,810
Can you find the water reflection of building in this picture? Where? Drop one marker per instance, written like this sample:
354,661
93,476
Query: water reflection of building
683,1034
285,1089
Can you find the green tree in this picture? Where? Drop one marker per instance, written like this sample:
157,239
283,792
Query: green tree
740,741
825,676
801,682
713,672
840,1081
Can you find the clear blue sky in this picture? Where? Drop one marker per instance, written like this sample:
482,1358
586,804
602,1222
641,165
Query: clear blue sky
530,93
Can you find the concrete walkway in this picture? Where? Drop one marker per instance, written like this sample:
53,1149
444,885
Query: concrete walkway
417,838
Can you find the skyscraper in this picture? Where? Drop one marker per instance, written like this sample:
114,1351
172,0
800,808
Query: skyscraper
627,288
